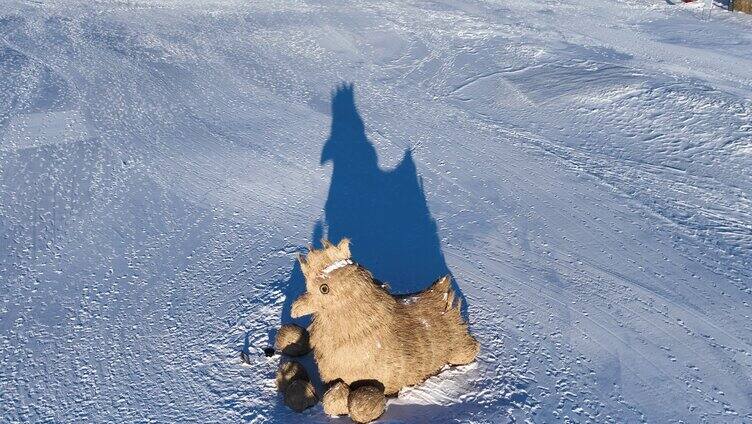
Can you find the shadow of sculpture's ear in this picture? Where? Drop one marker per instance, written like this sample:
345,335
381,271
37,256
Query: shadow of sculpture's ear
347,128
303,264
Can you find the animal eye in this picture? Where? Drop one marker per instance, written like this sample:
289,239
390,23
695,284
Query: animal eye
324,288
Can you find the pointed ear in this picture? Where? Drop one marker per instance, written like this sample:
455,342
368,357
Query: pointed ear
326,243
344,247
303,263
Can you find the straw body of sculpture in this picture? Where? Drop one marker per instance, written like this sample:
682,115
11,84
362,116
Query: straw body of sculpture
360,331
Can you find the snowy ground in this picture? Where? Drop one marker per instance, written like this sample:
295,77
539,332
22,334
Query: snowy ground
582,168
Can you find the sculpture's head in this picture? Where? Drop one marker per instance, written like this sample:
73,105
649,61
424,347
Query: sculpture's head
333,282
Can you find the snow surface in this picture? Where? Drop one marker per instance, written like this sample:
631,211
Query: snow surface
581,168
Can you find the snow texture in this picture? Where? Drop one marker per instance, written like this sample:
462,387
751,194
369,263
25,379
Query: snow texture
581,168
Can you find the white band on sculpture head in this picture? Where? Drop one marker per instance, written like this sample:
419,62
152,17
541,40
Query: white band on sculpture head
335,265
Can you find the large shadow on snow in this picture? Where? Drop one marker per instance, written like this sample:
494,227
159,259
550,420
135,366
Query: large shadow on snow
383,212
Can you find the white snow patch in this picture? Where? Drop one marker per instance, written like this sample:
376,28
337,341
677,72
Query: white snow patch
44,128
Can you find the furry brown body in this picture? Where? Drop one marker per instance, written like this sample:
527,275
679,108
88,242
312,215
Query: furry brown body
362,332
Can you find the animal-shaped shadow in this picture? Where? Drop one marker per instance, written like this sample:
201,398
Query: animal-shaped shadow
383,212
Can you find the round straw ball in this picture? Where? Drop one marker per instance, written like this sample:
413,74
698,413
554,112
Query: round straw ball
292,340
366,403
335,399
289,372
300,395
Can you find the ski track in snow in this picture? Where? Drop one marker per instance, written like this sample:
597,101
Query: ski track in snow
587,165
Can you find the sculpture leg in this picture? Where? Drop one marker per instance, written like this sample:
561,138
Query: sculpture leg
465,352
366,401
335,398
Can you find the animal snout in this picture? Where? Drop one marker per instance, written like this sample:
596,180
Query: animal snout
302,306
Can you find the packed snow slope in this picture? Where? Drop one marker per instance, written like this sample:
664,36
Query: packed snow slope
583,169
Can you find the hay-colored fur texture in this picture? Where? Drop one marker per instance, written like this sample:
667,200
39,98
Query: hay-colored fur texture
362,332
